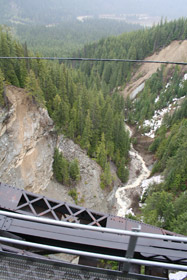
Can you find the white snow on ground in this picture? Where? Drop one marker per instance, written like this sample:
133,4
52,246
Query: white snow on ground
136,91
156,120
156,100
185,77
178,276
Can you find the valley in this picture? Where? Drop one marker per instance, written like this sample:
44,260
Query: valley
78,110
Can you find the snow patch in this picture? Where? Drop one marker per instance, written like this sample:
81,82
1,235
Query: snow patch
156,120
137,90
178,276
157,99
185,77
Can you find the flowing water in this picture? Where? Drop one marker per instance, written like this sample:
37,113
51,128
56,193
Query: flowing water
138,172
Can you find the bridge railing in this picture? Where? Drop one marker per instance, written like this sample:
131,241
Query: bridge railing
128,259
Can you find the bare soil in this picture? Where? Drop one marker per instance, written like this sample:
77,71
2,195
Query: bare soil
142,146
176,51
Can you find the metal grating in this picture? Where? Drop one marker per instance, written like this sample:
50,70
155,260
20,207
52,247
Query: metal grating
20,268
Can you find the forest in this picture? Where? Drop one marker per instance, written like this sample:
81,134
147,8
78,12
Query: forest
165,203
70,35
55,11
84,103
92,118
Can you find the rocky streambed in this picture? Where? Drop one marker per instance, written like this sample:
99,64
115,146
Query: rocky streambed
128,195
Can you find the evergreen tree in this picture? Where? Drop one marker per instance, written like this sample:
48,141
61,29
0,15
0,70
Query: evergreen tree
106,178
159,209
101,152
33,88
87,133
61,168
74,170
122,171
2,103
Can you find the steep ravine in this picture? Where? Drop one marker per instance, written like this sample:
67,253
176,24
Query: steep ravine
128,195
27,143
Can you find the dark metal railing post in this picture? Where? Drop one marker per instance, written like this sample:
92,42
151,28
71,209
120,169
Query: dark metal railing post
130,251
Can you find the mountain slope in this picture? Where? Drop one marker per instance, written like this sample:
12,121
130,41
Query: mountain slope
52,11
176,51
86,106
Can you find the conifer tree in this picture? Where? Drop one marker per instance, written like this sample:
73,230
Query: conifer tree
122,171
106,178
101,152
74,170
33,88
1,88
87,133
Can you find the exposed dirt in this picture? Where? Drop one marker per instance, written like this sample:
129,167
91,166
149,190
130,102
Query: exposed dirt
141,145
26,142
176,51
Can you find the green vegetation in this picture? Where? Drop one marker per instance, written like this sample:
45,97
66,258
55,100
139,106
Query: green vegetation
84,104
64,171
67,37
166,204
80,110
113,265
74,195
134,45
33,88
158,93
162,207
1,89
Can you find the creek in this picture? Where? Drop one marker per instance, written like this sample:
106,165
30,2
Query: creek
138,173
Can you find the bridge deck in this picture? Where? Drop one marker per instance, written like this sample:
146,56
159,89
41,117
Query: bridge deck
23,267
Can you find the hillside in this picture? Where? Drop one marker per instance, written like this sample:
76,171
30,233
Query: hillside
67,37
176,51
84,103
53,11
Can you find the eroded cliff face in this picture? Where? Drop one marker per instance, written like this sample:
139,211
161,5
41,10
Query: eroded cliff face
27,143
89,191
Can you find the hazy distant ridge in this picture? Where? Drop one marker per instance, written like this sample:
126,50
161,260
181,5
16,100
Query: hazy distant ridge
53,11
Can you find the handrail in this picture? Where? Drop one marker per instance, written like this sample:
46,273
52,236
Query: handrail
94,255
93,228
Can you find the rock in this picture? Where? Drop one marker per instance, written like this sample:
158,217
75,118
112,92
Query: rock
26,143
90,194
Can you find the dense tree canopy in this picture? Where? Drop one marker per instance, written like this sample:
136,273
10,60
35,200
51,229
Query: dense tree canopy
81,111
133,45
65,38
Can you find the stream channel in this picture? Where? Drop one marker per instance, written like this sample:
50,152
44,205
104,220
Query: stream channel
127,196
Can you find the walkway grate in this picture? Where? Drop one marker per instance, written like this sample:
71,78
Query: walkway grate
21,268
